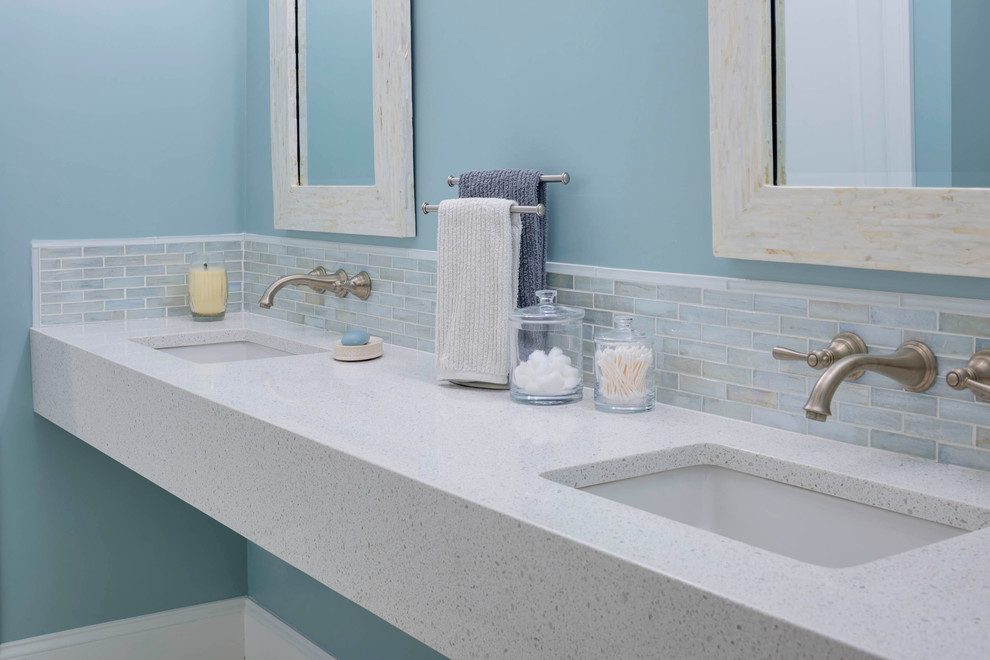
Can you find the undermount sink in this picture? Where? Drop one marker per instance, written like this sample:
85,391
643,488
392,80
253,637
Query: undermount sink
228,351
233,345
796,522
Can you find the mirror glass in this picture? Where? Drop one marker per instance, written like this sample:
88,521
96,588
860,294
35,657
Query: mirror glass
355,145
888,93
336,134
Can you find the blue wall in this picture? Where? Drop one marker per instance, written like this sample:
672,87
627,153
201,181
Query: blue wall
337,625
970,94
615,93
116,119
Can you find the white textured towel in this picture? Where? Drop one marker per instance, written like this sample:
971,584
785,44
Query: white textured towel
477,281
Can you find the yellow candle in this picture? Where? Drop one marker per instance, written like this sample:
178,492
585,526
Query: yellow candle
208,290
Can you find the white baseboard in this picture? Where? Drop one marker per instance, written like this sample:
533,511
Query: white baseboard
234,629
266,637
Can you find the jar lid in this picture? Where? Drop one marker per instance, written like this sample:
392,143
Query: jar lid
547,309
623,331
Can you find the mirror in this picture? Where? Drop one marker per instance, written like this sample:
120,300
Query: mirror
922,229
336,133
882,93
321,117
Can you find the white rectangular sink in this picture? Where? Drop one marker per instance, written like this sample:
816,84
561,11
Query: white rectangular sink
229,351
805,512
232,345
791,521
795,522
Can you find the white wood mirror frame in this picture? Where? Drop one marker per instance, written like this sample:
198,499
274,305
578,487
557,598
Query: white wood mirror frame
925,230
386,208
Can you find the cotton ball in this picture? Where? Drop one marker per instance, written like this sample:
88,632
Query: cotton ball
521,377
546,373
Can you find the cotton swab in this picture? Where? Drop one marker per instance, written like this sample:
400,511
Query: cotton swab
623,370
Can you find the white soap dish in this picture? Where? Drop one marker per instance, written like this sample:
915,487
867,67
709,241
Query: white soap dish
369,351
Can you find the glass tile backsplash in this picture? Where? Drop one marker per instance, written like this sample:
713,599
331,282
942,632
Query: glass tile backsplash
712,335
116,281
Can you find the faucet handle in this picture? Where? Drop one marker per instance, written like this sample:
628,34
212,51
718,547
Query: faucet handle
336,287
359,285
781,353
975,376
842,345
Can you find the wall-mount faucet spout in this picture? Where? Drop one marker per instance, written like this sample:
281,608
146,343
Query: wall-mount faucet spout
912,365
318,280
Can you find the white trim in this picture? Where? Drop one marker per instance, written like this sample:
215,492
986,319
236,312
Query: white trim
925,230
250,632
649,276
581,270
410,253
148,240
796,290
257,619
102,632
386,208
668,279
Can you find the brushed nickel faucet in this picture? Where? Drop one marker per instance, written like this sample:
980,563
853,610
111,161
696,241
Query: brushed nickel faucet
842,345
975,376
318,280
912,365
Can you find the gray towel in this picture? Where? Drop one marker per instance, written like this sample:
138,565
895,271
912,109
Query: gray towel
523,186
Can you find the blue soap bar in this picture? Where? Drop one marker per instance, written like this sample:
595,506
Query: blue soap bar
355,338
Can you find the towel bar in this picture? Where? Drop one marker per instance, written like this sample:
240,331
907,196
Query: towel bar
539,209
564,178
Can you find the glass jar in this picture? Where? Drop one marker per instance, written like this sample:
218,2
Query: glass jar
546,352
624,369
207,286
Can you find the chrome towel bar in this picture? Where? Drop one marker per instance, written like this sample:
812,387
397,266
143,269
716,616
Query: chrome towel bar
563,178
539,209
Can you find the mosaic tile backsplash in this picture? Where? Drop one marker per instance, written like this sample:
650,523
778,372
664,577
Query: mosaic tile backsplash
401,308
713,342
114,282
713,336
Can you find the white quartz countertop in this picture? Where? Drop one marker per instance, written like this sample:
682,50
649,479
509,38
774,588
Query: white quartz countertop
455,447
